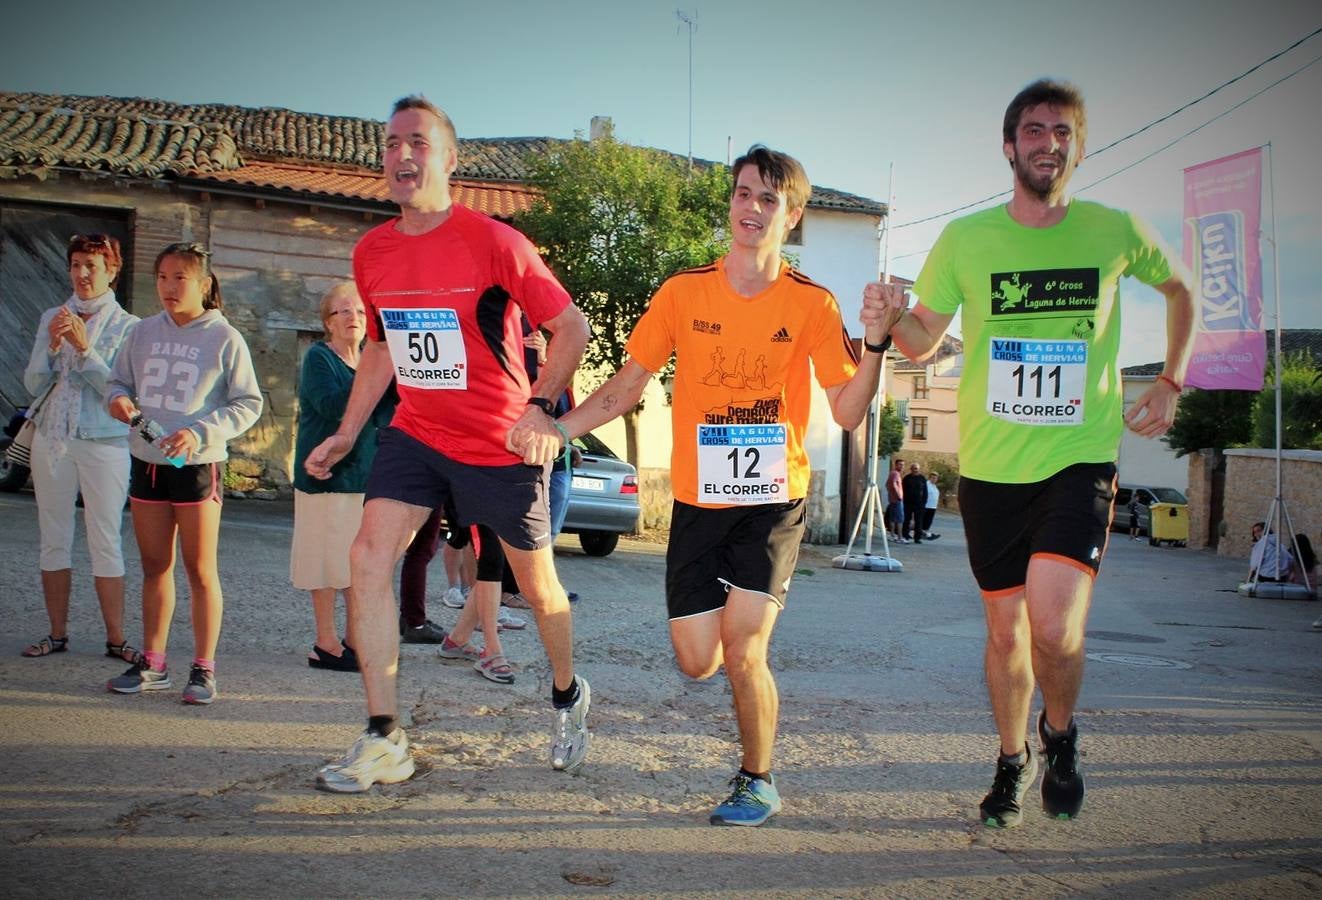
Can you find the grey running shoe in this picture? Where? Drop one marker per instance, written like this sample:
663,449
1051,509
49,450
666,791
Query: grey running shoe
371,760
569,740
139,677
464,652
1003,805
201,687
454,598
426,633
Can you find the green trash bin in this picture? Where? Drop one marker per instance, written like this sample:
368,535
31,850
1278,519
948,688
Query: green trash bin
1168,523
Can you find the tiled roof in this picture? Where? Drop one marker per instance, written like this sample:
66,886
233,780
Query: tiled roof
500,200
950,346
1293,340
135,136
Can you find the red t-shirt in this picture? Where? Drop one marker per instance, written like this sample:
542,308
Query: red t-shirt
441,302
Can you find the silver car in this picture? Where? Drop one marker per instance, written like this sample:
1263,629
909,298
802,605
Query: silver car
603,498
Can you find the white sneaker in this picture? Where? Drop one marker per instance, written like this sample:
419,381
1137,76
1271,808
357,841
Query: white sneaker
371,760
454,598
569,740
507,620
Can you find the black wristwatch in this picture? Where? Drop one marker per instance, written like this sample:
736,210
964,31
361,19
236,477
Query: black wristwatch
878,348
543,404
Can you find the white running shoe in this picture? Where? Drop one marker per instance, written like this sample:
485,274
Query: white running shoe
569,741
454,598
371,760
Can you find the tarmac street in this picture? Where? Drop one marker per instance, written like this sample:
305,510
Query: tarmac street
1201,724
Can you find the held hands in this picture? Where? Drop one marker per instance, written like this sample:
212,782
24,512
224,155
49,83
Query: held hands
883,304
1154,413
330,451
535,340
535,438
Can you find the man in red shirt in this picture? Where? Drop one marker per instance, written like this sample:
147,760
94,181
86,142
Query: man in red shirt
444,289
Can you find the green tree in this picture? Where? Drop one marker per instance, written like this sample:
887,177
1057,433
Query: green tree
1301,406
1211,419
613,222
890,436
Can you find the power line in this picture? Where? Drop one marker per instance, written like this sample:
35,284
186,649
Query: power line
1152,124
1314,61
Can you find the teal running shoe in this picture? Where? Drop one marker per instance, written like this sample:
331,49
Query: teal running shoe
752,801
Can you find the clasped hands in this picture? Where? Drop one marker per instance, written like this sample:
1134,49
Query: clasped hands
536,438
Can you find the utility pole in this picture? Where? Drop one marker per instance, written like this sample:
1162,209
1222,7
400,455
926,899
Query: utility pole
689,21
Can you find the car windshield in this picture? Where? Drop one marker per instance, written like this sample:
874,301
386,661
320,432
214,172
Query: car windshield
1169,495
590,443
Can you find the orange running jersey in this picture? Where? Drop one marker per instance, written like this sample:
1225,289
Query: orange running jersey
741,395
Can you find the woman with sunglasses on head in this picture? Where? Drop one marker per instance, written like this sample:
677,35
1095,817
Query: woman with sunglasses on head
77,445
185,383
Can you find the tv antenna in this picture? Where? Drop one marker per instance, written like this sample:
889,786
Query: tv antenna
689,21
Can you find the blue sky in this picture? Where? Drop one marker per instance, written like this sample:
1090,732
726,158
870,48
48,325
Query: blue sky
848,87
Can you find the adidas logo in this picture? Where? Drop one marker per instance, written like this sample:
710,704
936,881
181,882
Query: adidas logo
781,337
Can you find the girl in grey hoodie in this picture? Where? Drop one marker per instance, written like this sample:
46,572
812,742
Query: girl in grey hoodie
184,382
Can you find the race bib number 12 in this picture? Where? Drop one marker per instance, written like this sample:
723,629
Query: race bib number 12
427,348
742,464
1037,382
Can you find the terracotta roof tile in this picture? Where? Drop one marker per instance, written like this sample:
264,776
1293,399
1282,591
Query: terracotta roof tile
136,136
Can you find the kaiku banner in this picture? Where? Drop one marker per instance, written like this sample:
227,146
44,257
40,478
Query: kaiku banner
1222,208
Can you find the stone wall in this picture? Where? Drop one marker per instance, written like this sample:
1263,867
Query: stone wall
1251,485
1201,469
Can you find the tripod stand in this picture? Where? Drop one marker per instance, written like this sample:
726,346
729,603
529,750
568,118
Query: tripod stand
870,509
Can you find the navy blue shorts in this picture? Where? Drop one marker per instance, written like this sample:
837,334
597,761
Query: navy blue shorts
1066,516
510,500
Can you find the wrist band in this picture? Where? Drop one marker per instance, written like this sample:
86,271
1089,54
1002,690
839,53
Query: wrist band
878,348
564,434
1172,382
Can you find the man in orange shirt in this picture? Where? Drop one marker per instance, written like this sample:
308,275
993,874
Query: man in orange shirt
743,330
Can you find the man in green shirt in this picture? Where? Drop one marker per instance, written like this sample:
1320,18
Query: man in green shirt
1040,418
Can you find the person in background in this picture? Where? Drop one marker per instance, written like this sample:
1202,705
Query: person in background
184,380
327,513
77,445
1305,570
895,501
1269,560
1134,509
929,510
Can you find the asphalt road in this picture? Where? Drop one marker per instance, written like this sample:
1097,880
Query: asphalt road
1201,721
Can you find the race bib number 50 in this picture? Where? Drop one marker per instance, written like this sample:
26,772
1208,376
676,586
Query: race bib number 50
742,464
1037,382
427,348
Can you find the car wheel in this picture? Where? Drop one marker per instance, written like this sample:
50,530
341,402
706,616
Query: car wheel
12,475
598,543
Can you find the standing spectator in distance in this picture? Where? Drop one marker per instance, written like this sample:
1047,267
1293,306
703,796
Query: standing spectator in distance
327,513
77,445
930,507
1134,509
915,503
895,501
189,372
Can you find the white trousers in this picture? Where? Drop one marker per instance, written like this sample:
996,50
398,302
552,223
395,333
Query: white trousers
100,470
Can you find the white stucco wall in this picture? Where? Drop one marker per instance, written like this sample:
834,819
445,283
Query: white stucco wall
1148,461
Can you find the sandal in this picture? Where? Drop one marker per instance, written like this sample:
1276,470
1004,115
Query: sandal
124,651
347,661
464,652
46,646
495,668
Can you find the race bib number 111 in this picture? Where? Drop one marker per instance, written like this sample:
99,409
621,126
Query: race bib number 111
1037,382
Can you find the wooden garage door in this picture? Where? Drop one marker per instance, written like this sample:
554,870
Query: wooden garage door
34,277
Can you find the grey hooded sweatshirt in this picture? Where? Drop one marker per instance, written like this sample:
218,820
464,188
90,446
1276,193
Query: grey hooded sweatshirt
197,376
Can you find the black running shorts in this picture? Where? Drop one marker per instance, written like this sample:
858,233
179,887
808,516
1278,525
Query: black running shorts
753,548
183,486
510,500
1066,516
